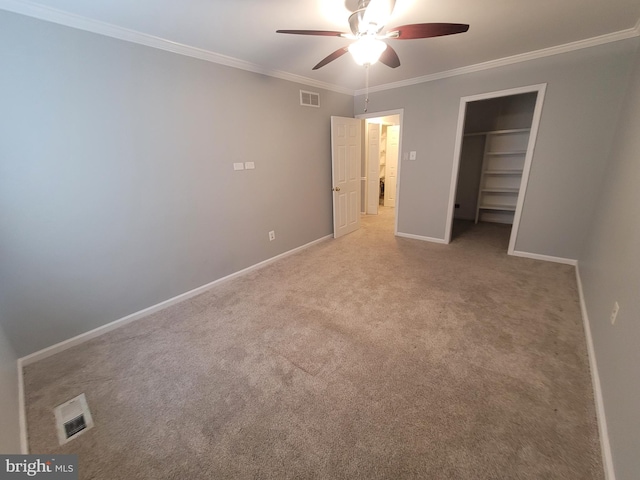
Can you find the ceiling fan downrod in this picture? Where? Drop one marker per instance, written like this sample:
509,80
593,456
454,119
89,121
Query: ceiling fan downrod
366,87
370,16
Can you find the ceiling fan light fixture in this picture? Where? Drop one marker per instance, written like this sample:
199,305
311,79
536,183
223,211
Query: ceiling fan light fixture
367,22
367,50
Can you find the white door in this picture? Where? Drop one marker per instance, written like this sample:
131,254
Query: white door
391,168
345,152
373,168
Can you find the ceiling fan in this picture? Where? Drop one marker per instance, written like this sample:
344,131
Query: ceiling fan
367,23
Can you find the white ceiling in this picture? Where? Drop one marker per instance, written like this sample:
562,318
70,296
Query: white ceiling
245,30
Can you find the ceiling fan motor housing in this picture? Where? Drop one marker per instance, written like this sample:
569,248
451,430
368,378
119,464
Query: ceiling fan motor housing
370,17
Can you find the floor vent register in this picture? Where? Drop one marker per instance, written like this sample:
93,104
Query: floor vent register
72,418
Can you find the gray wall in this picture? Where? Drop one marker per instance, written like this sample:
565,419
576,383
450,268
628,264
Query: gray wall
116,183
583,100
9,410
610,272
502,113
469,176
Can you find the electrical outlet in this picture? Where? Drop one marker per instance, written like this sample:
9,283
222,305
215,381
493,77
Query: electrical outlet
614,313
272,236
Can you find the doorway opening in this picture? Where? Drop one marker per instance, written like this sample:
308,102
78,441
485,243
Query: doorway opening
494,149
380,165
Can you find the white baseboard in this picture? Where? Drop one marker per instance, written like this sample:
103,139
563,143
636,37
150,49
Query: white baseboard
546,258
420,237
83,337
605,444
22,414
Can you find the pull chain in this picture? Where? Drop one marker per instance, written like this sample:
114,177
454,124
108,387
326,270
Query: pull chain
366,96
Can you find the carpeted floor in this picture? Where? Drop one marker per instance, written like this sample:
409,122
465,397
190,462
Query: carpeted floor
366,357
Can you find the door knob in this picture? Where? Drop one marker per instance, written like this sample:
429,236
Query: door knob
336,189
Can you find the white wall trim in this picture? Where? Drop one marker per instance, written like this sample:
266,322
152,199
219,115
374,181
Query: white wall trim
455,169
53,15
84,337
605,444
420,237
528,159
546,258
501,62
22,414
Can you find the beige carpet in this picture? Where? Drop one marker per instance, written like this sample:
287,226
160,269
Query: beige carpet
366,357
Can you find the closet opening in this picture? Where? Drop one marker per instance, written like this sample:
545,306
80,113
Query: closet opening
496,137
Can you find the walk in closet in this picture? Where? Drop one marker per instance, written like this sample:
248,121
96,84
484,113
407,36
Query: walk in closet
494,147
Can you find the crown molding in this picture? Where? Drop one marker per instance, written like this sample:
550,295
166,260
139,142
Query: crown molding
94,26
501,62
41,12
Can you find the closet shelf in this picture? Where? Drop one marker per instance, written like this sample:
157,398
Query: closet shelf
508,208
499,132
502,190
514,152
503,172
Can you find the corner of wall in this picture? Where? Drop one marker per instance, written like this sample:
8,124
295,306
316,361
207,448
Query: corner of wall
605,445
10,398
24,441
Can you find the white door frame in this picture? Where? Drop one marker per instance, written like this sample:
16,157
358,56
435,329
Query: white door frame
399,112
537,113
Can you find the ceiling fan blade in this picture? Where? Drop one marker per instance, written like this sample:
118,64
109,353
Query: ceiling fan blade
426,30
390,58
330,58
322,33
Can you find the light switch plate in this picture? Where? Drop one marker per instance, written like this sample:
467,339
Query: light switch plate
238,166
249,165
413,155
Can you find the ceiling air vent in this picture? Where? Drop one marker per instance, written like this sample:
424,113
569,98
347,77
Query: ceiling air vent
72,418
309,99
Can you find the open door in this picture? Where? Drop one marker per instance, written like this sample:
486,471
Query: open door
373,168
391,168
345,153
